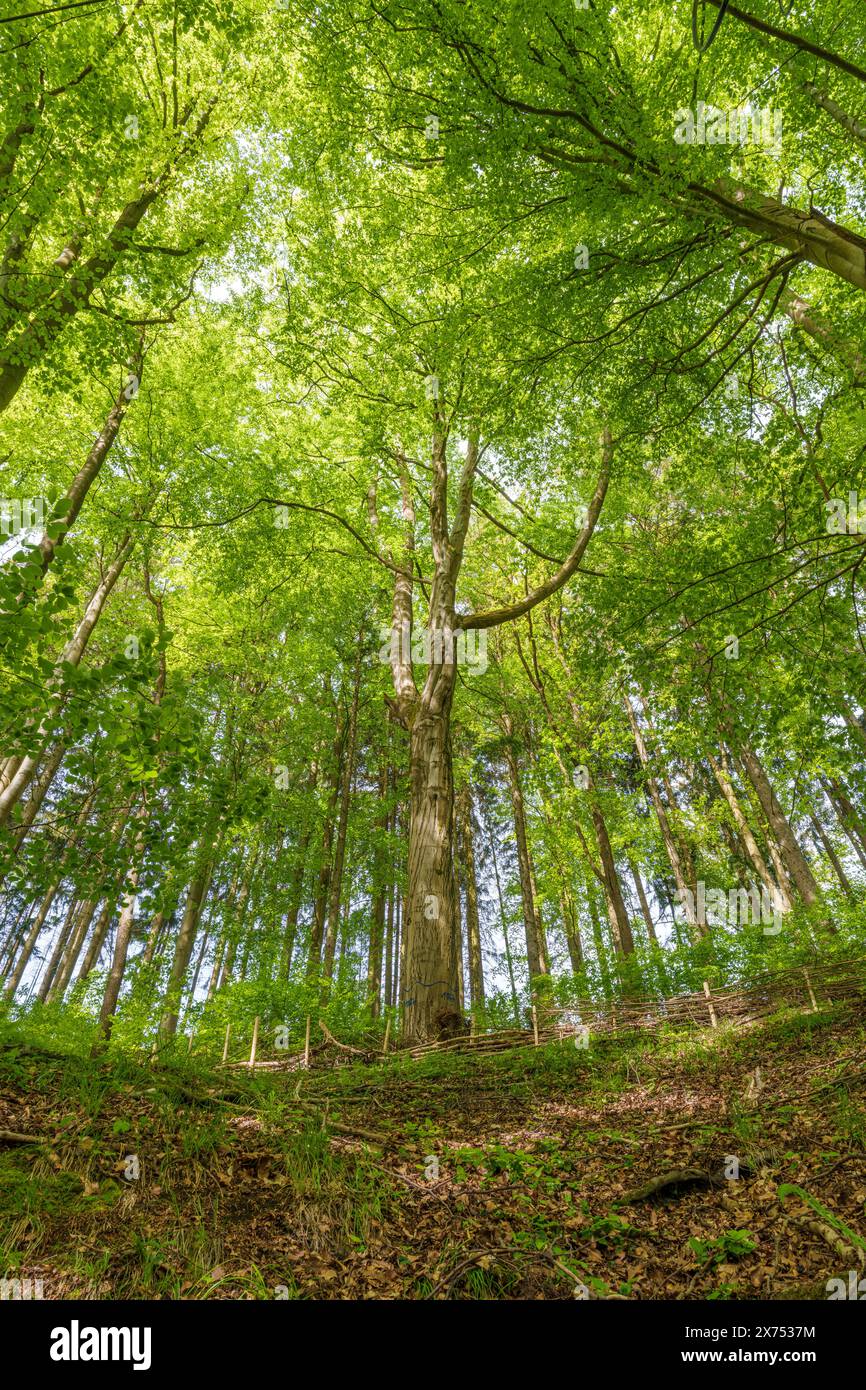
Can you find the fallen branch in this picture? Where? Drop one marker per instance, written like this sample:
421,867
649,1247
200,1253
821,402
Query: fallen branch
827,1234
344,1047
679,1177
9,1136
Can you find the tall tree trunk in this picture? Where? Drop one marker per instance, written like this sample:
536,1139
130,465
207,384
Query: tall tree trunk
848,817
473,926
504,924
348,773
430,984
123,935
534,951
82,925
97,939
234,930
296,889
793,855
644,903
30,942
822,839
685,891
598,942
72,654
186,937
60,944
758,862
320,903
381,900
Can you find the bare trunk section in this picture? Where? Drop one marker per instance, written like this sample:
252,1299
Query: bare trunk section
71,656
684,889
473,927
531,924
777,892
186,938
347,775
123,935
382,902
430,989
793,855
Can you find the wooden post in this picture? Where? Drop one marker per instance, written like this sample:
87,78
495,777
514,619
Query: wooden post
387,1035
255,1041
713,1020
535,1023
226,1043
307,1044
189,1049
811,991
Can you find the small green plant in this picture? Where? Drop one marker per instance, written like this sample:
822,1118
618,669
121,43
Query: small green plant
730,1246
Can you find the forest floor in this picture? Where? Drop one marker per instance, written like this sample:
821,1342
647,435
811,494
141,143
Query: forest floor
517,1175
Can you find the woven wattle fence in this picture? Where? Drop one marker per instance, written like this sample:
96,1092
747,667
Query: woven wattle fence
809,987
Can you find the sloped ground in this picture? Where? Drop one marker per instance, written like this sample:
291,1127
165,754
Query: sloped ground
523,1175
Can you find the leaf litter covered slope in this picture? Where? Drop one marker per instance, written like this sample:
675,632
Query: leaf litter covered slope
543,1173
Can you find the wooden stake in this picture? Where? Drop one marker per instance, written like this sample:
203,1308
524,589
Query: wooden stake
307,1044
255,1041
189,1049
387,1035
811,991
226,1043
535,1023
713,1020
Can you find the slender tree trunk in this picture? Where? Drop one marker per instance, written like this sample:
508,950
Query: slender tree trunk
234,930
389,947
793,855
685,891
35,800
186,938
504,925
822,839
30,942
97,939
848,817
745,832
317,928
348,773
61,942
473,926
534,951
82,925
296,889
380,902
123,935
598,942
644,903
72,655
458,939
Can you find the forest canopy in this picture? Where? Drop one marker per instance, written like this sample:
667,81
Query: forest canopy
433,510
